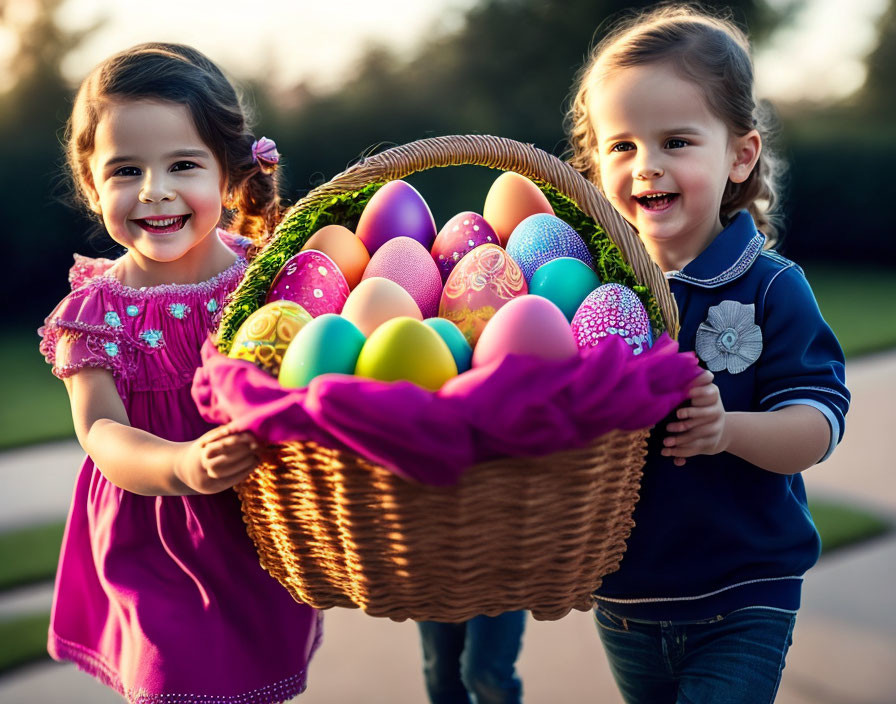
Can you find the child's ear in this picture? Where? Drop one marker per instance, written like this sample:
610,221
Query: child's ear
746,150
93,196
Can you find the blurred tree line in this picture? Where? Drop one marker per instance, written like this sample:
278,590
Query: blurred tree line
507,70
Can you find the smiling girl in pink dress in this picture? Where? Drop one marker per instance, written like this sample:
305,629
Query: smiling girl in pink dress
159,592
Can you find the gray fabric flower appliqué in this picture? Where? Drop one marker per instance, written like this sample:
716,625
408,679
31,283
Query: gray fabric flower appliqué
729,339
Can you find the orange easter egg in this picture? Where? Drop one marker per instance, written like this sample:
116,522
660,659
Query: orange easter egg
376,300
510,200
344,247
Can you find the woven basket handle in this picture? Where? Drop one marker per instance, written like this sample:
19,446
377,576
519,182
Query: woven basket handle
506,155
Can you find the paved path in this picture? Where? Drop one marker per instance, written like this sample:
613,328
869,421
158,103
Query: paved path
844,646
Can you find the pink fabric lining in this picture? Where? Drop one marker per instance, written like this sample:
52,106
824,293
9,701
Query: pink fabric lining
519,406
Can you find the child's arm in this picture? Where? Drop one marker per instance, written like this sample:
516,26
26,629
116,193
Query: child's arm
143,463
785,441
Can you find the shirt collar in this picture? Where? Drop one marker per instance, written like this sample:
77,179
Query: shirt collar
727,257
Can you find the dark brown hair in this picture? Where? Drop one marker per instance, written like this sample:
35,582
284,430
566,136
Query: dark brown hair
709,51
179,74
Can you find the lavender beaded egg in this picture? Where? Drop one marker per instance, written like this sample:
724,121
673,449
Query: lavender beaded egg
541,238
312,280
612,309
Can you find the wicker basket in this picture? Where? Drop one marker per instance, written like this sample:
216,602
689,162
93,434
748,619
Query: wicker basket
516,533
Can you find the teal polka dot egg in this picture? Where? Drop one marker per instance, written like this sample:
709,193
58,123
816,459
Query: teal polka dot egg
541,238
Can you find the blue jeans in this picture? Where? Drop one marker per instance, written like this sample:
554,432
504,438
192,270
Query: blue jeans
732,659
475,656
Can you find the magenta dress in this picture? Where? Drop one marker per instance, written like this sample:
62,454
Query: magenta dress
162,597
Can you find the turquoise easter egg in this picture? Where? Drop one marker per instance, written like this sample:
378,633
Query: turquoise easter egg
454,338
328,343
566,282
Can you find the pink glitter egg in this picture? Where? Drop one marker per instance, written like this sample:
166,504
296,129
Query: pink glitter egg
480,284
529,325
312,280
462,233
612,309
407,263
396,210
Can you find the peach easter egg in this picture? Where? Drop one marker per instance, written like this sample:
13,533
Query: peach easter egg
396,210
482,282
462,233
344,247
312,280
510,200
409,264
376,300
529,325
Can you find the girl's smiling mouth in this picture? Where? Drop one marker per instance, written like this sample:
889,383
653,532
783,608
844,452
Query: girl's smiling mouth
162,225
656,202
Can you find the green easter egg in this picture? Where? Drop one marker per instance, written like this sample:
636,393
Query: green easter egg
454,338
405,348
564,281
329,343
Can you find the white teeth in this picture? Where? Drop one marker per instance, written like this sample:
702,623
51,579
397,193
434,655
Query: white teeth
163,223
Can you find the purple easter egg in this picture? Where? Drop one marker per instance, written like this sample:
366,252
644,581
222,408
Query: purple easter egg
312,280
407,263
396,210
463,232
612,309
541,238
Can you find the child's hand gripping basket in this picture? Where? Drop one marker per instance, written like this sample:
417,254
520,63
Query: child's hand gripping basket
337,529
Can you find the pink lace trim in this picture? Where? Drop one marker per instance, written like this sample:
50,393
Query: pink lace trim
94,664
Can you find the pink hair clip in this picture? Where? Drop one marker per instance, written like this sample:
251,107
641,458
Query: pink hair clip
264,150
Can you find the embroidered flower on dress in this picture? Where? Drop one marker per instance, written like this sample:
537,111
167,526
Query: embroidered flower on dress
112,320
212,305
179,310
729,339
151,337
132,310
111,349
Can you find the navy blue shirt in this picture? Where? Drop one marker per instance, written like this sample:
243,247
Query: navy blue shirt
719,533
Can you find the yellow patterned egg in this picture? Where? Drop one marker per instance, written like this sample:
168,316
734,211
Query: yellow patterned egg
264,336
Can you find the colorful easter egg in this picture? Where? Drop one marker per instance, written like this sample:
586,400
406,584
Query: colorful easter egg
328,343
529,325
540,238
462,233
405,348
396,210
564,281
312,280
376,300
409,264
510,200
264,336
483,281
612,309
454,338
344,247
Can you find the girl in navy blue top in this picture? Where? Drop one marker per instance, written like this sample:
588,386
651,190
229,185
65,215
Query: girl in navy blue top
703,606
